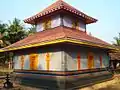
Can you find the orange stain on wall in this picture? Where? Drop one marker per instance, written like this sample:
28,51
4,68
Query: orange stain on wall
101,61
33,61
78,61
47,58
22,58
90,60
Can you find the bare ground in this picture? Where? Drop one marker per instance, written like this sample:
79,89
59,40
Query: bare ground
113,84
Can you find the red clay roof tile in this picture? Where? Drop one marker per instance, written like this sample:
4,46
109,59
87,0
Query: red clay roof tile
58,6
55,34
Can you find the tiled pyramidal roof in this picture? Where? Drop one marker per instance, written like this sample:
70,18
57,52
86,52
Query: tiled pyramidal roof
61,34
60,5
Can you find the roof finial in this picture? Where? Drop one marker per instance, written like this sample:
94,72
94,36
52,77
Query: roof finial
60,0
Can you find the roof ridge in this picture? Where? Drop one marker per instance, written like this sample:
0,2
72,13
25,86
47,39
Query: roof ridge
60,4
57,2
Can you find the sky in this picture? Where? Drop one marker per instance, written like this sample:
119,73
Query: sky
106,11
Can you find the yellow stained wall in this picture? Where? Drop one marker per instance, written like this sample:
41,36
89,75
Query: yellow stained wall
54,61
33,61
38,61
89,59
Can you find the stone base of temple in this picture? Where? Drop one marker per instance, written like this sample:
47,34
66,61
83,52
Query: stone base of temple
60,81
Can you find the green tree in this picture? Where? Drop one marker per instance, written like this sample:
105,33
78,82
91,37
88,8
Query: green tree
11,33
3,35
32,30
117,40
16,31
3,42
3,27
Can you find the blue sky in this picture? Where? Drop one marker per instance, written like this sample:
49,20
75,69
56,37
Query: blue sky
106,11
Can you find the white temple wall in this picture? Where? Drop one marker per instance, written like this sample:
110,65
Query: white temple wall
56,21
54,62
84,60
39,26
68,21
26,62
76,59
42,62
97,60
105,61
16,61
82,26
72,59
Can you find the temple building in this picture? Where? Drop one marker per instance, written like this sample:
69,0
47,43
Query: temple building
60,55
115,59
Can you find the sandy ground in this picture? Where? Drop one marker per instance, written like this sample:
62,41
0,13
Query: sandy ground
113,84
108,87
